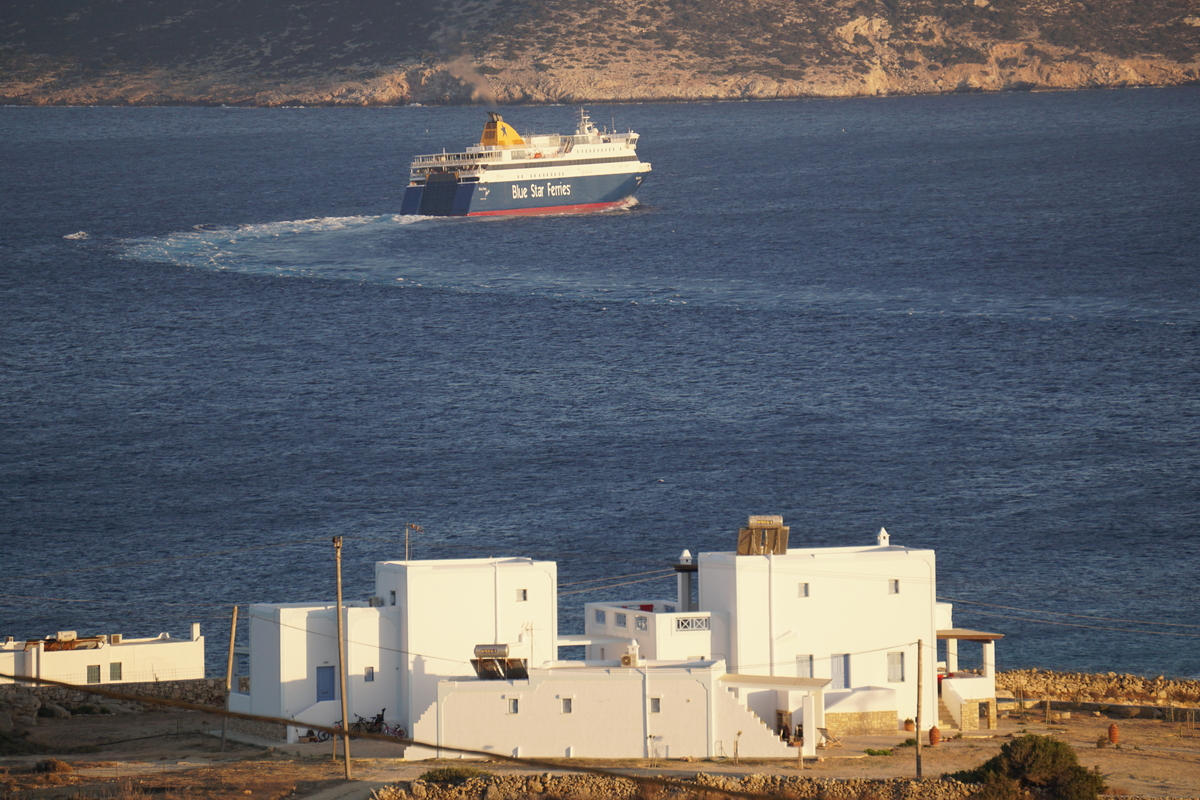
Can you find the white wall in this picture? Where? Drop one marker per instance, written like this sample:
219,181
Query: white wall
445,608
850,608
664,639
160,658
611,715
289,642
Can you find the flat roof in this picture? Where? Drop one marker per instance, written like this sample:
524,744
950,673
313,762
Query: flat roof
576,639
968,635
775,681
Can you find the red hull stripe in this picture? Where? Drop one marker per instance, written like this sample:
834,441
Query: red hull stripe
548,209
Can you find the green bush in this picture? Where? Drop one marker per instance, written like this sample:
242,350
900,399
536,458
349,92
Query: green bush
454,775
1037,762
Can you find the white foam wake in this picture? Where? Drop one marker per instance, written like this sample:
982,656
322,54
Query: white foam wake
303,246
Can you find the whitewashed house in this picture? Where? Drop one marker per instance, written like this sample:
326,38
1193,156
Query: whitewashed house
70,658
851,615
464,654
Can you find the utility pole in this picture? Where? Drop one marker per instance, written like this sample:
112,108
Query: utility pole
920,697
229,675
415,529
337,549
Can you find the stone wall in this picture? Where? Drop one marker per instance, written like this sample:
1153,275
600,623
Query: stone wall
584,787
861,723
22,702
1083,687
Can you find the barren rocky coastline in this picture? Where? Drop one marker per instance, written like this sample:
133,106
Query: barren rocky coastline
548,51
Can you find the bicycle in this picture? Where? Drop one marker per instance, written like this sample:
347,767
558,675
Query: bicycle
325,736
394,730
364,725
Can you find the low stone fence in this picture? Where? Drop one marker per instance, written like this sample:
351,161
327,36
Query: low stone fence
586,787
1109,688
22,702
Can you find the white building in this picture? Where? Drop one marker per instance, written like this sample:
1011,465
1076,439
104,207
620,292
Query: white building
852,615
464,653
104,659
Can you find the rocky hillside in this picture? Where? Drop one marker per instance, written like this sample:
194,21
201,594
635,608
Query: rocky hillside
363,52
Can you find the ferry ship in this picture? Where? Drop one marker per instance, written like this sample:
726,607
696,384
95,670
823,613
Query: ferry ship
506,173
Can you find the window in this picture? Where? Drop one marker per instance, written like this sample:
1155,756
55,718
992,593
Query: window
839,670
643,624
392,597
655,705
691,623
620,620
514,705
804,666
93,673
369,674
600,616
803,590
326,680
895,667
522,595
894,586
114,671
566,705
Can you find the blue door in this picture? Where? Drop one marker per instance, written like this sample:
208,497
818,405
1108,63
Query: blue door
325,683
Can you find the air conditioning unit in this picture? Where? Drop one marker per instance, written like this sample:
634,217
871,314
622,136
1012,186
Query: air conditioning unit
114,639
629,660
375,602
67,636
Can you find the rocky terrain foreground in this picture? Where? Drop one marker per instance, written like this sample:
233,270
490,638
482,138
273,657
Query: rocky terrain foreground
371,52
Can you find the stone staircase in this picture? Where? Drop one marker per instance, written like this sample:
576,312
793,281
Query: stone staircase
945,720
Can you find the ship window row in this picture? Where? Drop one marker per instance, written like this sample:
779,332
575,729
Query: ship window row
574,162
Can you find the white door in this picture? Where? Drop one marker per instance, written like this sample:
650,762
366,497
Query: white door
840,671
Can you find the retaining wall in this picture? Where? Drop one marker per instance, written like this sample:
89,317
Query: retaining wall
1083,687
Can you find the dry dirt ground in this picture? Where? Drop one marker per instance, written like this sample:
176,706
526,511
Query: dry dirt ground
170,754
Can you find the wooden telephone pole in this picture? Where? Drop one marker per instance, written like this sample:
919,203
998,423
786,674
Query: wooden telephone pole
229,675
337,549
414,529
920,696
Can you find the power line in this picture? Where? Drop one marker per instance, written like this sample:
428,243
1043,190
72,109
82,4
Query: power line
618,577
187,557
1089,627
611,586
1063,614
124,601
488,754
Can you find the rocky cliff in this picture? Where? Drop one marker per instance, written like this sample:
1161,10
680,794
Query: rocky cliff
372,52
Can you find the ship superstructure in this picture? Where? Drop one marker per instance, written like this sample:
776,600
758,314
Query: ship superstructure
507,173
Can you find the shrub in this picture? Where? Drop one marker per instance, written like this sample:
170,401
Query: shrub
1037,762
454,775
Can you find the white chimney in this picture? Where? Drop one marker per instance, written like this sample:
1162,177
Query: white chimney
685,557
884,539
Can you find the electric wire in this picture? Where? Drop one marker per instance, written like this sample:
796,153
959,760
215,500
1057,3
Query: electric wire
1064,614
557,765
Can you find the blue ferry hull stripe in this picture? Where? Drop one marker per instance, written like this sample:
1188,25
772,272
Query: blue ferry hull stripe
522,196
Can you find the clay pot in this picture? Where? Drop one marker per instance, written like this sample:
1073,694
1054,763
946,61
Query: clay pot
1112,733
909,725
935,736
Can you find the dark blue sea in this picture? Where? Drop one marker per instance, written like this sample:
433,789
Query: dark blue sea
973,320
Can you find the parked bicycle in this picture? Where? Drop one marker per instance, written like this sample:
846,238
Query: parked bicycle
364,725
325,736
